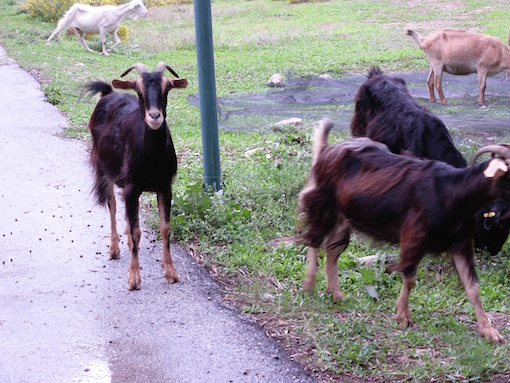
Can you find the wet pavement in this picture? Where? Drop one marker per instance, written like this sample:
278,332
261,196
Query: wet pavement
66,314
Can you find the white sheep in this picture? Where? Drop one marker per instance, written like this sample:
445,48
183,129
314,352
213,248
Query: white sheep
86,19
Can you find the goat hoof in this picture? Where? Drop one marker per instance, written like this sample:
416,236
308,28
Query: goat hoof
172,276
493,335
134,282
404,321
338,296
114,253
308,284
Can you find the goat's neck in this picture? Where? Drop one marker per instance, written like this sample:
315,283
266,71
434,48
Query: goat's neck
470,189
124,10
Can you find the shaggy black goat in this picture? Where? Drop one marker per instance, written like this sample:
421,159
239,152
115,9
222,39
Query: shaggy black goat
133,149
386,112
426,206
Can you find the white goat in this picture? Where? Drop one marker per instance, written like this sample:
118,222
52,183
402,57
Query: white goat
461,52
86,19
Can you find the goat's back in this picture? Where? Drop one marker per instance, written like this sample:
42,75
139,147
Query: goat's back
383,195
112,110
462,51
386,112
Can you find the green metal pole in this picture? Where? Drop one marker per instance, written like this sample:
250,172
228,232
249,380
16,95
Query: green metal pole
207,93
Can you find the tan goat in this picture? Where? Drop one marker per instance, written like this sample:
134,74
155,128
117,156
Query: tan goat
461,52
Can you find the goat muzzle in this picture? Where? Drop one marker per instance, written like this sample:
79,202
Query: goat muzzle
154,118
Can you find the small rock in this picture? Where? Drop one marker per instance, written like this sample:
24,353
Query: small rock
268,297
294,122
276,81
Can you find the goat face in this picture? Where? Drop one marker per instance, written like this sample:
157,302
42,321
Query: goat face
138,8
152,90
497,168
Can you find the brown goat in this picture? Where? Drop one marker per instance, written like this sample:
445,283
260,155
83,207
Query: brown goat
386,112
426,206
461,52
132,148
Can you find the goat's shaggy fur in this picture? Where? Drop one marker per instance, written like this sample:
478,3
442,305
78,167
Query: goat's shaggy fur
132,148
426,206
386,112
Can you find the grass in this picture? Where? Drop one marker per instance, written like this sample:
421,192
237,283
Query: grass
355,340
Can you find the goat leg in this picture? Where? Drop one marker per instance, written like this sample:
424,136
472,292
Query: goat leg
430,85
134,279
466,272
82,39
102,37
114,237
482,83
311,268
170,271
438,83
132,205
403,315
116,39
335,244
411,254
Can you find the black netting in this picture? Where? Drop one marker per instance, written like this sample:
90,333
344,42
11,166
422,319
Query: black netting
314,97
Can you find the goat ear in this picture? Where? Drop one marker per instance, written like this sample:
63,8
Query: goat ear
180,83
124,84
496,168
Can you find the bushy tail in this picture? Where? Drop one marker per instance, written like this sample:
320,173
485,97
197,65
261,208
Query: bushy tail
64,23
320,137
97,87
103,188
416,37
317,203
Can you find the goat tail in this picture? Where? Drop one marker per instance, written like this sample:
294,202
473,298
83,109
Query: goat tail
102,190
64,23
317,202
415,36
320,137
317,213
97,87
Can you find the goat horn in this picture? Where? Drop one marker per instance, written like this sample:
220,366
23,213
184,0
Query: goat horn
502,149
161,69
141,68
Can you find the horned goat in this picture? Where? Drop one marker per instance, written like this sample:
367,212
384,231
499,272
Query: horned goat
427,206
386,112
86,19
461,52
132,148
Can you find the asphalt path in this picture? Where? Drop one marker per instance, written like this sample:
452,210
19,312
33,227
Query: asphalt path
66,314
